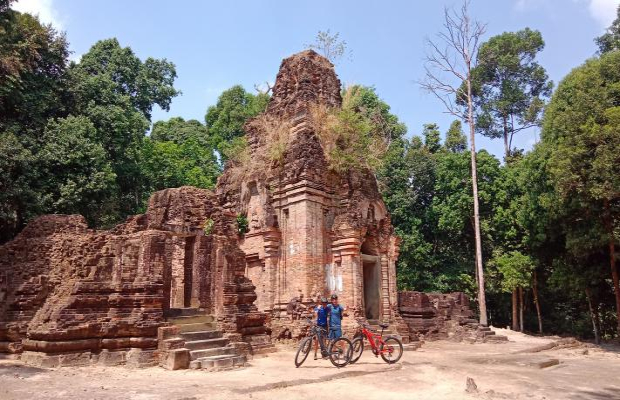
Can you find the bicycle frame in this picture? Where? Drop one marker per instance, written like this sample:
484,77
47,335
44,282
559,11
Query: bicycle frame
375,340
320,334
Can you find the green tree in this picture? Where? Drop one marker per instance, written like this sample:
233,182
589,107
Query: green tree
116,91
582,129
76,175
365,101
33,59
226,119
18,195
509,86
178,130
610,40
516,270
432,137
178,153
456,141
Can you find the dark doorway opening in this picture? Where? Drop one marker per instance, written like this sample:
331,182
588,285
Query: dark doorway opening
372,287
188,267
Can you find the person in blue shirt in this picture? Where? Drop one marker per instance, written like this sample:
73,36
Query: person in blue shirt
321,313
336,312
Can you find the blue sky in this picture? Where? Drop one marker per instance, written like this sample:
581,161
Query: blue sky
218,44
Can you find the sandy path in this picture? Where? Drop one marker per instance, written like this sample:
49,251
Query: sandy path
437,371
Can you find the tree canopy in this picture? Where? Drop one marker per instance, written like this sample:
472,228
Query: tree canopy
225,120
509,85
610,40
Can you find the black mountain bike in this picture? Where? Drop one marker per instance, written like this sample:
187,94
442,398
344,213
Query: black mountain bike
338,351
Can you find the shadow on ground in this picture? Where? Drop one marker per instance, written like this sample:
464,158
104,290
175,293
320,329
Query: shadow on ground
606,393
23,371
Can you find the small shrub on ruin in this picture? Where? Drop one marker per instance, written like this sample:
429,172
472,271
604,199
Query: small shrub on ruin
208,226
243,226
348,137
274,135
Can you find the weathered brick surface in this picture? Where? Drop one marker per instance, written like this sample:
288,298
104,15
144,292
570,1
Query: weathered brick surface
68,289
309,226
432,316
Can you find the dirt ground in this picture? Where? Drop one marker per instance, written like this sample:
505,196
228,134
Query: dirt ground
439,370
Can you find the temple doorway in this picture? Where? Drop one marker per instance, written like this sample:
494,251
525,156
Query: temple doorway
372,286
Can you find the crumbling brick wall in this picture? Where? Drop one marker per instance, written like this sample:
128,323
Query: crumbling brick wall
433,316
74,294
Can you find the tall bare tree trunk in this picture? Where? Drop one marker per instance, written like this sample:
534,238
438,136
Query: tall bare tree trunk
535,292
515,310
506,145
593,316
521,309
455,54
482,303
612,259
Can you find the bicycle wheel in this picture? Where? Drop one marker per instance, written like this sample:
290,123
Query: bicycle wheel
340,352
302,352
391,349
357,348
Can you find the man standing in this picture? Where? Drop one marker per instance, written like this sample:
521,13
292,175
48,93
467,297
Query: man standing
336,312
321,311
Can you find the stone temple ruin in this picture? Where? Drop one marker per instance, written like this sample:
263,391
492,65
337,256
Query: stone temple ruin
156,289
179,286
312,232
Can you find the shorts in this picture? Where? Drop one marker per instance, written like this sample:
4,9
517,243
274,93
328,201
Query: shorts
335,333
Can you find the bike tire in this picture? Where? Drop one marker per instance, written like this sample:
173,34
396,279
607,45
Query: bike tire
394,351
357,348
302,352
341,357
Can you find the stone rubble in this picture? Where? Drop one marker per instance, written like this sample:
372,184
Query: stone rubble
442,316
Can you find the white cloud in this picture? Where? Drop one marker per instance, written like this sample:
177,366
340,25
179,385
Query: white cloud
603,11
43,8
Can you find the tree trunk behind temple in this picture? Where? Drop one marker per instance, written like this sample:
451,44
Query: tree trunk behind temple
535,292
521,309
515,310
609,227
593,316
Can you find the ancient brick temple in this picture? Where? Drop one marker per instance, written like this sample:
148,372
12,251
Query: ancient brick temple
71,295
312,231
180,286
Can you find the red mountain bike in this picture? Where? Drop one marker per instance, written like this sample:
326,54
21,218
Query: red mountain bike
390,348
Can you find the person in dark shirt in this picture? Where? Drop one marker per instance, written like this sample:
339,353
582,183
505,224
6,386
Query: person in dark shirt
336,312
321,312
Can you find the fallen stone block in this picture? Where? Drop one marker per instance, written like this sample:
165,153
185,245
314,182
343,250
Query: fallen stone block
176,359
547,363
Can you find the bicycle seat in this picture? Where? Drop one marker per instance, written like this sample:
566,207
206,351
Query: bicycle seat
384,325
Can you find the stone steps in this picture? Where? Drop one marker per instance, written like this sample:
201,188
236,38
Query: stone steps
191,319
217,351
181,312
496,338
208,348
219,363
487,335
206,344
200,335
199,327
